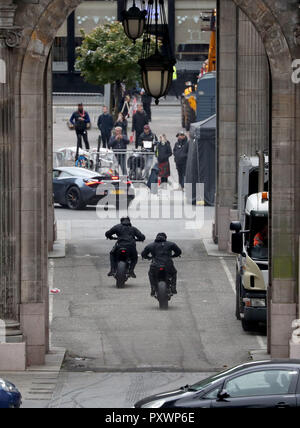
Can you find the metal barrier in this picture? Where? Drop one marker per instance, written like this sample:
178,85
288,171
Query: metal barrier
73,99
134,164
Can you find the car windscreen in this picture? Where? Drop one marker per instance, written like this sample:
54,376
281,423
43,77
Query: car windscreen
210,380
81,172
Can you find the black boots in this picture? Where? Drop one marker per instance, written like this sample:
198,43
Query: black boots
173,289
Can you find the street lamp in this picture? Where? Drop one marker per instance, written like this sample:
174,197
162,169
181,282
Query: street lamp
134,21
157,68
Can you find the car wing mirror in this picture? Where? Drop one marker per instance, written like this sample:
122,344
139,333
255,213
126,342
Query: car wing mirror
223,394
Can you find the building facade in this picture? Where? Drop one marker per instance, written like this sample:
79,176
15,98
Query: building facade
190,43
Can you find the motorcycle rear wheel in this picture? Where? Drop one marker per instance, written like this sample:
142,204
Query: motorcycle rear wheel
121,275
162,295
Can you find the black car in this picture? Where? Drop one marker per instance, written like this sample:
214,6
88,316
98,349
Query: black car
75,188
274,383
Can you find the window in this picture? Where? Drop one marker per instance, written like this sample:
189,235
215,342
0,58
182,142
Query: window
56,173
191,43
213,394
60,50
65,174
91,14
265,382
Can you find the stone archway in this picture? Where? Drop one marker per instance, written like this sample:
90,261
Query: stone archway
28,233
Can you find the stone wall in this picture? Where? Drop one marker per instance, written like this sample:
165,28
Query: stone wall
243,106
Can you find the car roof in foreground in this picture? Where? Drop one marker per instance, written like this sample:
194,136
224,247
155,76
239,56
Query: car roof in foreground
248,365
261,363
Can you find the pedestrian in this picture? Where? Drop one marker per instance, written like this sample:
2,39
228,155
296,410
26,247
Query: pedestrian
163,154
80,119
122,122
125,110
147,142
105,125
139,120
181,150
118,143
147,100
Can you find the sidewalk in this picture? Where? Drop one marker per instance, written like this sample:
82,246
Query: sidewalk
37,383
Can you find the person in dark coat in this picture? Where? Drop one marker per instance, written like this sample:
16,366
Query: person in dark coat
147,136
163,153
161,252
122,122
127,236
118,143
105,125
139,120
181,150
146,100
80,120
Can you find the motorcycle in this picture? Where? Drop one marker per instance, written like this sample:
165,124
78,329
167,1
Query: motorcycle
123,258
123,265
163,287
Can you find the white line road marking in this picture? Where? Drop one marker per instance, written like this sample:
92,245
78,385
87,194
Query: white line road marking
231,281
228,274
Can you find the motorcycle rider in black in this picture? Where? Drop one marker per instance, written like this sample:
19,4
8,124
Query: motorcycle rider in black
127,236
162,252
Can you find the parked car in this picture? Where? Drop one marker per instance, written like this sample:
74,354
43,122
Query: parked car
264,384
10,396
75,188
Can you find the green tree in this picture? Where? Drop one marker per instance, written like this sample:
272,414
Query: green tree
108,56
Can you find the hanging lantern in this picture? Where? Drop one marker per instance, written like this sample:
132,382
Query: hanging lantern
134,21
157,75
157,68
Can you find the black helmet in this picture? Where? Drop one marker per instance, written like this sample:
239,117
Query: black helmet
161,237
126,221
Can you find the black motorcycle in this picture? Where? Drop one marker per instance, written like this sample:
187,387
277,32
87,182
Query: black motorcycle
163,291
123,266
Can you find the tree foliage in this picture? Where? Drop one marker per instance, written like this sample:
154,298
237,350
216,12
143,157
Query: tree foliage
107,56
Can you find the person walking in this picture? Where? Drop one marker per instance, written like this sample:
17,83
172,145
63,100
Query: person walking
139,120
122,122
125,109
118,143
146,100
105,125
163,154
80,119
181,150
147,142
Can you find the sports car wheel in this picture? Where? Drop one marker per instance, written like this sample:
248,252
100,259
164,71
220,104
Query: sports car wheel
73,199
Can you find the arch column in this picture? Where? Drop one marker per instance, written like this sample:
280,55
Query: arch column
276,23
12,339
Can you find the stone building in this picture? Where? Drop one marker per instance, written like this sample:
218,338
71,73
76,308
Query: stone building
258,107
